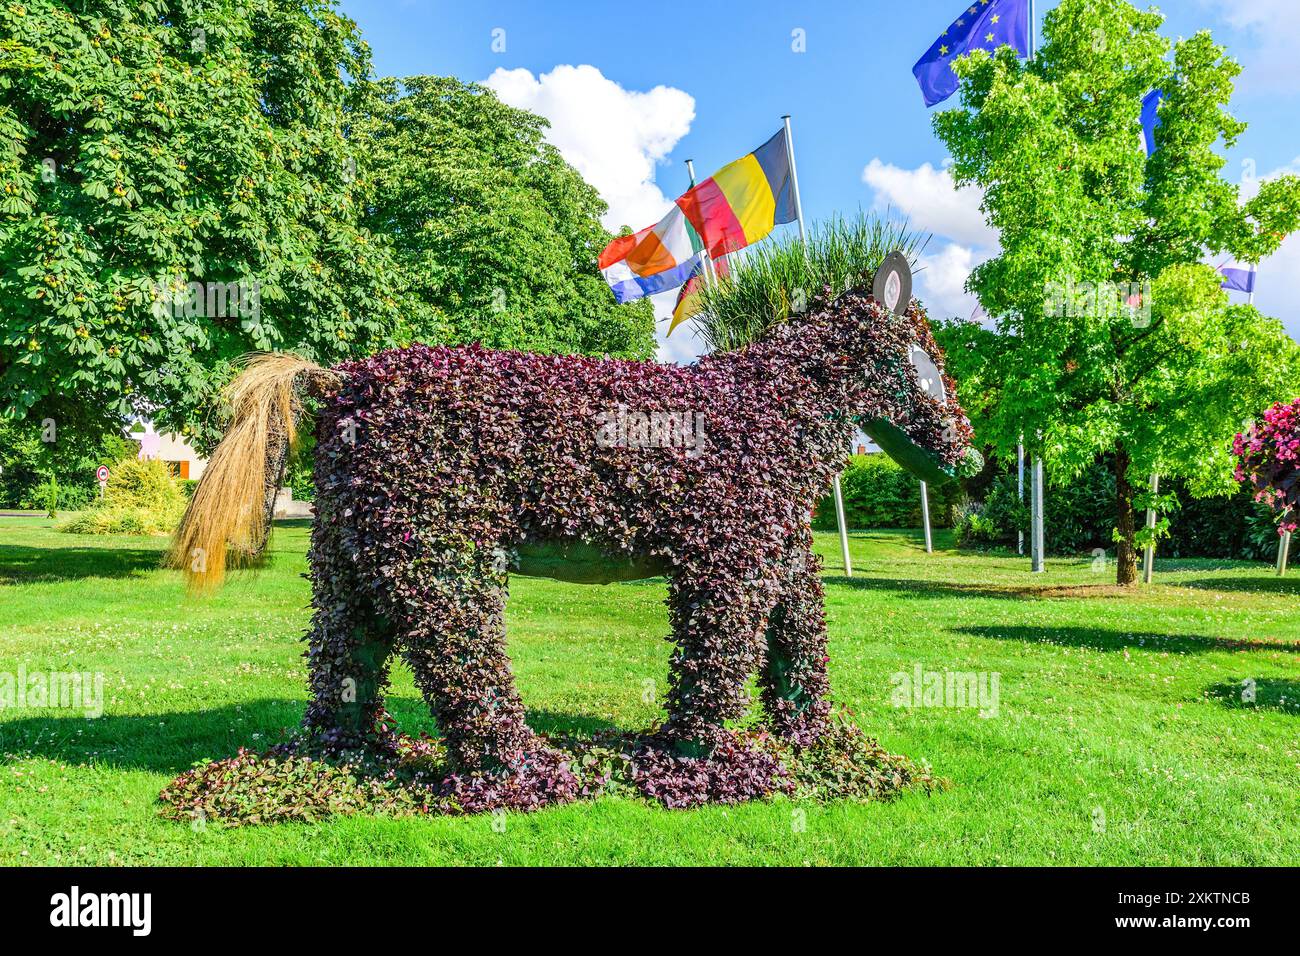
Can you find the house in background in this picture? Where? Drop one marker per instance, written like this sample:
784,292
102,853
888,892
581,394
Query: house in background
185,463
173,450
862,445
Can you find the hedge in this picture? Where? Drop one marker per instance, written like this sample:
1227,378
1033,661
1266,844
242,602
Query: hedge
880,494
1079,516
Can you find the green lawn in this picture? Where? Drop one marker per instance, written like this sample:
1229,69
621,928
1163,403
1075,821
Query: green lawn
1120,736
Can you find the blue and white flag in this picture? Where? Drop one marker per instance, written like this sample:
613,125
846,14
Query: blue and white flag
1237,276
983,25
1151,118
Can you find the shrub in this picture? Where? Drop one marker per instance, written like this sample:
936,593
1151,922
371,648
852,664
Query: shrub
1079,517
142,497
974,529
76,497
1268,460
880,494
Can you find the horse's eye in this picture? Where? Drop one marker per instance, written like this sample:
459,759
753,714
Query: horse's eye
927,373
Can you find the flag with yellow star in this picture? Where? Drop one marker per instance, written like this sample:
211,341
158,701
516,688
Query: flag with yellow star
983,25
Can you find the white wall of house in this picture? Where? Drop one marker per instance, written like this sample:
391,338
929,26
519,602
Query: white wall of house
176,451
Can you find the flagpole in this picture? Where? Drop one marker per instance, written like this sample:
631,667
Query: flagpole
1250,296
1036,537
708,261
925,518
803,238
1033,21
794,179
1149,553
1020,490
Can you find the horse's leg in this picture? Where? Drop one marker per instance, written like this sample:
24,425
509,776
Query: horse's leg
718,615
348,647
451,630
794,683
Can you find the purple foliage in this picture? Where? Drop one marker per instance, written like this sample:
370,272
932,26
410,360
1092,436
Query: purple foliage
435,464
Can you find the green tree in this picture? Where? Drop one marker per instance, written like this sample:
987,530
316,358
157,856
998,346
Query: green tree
1111,336
153,150
36,451
495,235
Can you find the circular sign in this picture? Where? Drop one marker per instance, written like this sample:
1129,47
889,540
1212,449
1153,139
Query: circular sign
101,473
927,373
892,286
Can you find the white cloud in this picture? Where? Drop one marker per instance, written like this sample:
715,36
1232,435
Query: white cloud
932,202
1273,30
685,345
1277,286
940,281
615,138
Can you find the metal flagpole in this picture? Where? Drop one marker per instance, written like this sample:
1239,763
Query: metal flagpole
1020,490
1149,554
1250,296
803,238
794,178
1036,511
707,259
1033,22
1283,552
925,518
1036,475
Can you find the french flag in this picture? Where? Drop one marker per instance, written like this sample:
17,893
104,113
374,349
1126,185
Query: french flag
1237,276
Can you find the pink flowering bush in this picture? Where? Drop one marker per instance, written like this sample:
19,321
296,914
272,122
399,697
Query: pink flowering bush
1268,456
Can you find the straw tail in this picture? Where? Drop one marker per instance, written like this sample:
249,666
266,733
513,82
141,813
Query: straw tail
229,517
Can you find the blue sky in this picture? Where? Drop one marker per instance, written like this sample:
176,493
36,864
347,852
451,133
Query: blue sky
711,80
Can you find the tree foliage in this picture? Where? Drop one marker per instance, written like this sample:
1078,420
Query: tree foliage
148,145
495,236
1111,336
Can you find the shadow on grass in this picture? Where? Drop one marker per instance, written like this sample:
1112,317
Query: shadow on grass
1261,584
1116,641
23,565
1264,693
172,742
935,590
161,743
912,587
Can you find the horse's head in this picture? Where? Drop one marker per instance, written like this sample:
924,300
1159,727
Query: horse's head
919,423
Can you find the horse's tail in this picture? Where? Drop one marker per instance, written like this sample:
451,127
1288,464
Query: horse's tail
233,503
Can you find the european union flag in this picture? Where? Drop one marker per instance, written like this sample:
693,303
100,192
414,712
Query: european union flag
1151,118
984,25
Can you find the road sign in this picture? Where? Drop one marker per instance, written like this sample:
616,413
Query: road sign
101,473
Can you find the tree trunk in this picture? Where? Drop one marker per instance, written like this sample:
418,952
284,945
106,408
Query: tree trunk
1126,548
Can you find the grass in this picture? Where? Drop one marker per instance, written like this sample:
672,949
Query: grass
765,284
1120,737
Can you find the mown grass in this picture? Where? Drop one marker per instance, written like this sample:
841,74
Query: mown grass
1120,736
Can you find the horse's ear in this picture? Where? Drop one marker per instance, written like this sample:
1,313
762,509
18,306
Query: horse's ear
892,286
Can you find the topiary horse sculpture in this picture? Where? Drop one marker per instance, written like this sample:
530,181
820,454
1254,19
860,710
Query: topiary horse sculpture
440,471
